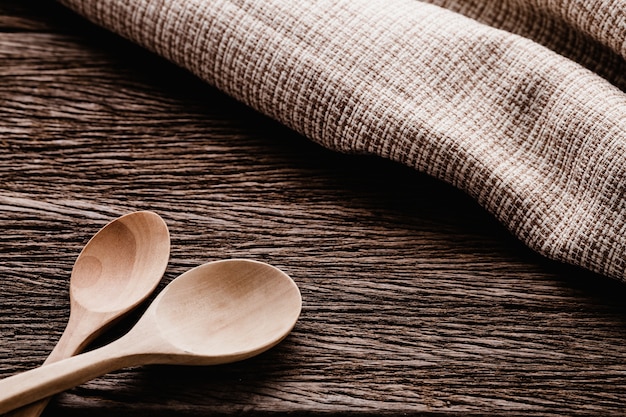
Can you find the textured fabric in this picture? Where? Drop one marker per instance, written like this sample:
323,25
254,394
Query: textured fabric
590,32
519,103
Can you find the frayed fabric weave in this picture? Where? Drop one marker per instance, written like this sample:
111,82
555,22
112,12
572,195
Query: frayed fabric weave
519,103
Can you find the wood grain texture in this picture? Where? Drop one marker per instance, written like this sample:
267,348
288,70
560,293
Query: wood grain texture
415,300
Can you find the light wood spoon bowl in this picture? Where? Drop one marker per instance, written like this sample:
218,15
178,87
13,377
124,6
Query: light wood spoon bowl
216,313
117,269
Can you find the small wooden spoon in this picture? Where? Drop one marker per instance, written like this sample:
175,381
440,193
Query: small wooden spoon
118,268
216,313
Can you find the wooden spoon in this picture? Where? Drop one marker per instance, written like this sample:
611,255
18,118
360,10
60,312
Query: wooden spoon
118,268
216,313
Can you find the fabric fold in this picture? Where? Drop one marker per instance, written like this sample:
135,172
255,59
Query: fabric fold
536,138
590,32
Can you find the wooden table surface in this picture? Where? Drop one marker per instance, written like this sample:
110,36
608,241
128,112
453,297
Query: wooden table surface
416,301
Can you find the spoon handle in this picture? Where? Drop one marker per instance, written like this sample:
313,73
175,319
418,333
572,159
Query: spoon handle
35,384
69,345
31,410
82,328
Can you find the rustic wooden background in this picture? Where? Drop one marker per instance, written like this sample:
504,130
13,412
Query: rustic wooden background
415,300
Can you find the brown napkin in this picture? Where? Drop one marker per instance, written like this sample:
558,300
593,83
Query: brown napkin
519,105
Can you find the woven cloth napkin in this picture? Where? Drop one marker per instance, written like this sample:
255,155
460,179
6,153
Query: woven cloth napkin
519,103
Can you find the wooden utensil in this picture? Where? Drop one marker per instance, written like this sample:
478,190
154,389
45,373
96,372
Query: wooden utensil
216,313
118,268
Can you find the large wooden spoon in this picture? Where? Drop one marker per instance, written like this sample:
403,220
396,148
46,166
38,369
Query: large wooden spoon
118,268
216,313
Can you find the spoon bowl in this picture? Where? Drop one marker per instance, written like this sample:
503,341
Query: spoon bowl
226,311
217,313
121,264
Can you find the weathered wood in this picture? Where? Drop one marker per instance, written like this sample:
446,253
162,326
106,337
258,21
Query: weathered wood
415,299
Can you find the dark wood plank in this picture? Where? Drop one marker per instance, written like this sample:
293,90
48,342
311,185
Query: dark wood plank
415,299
